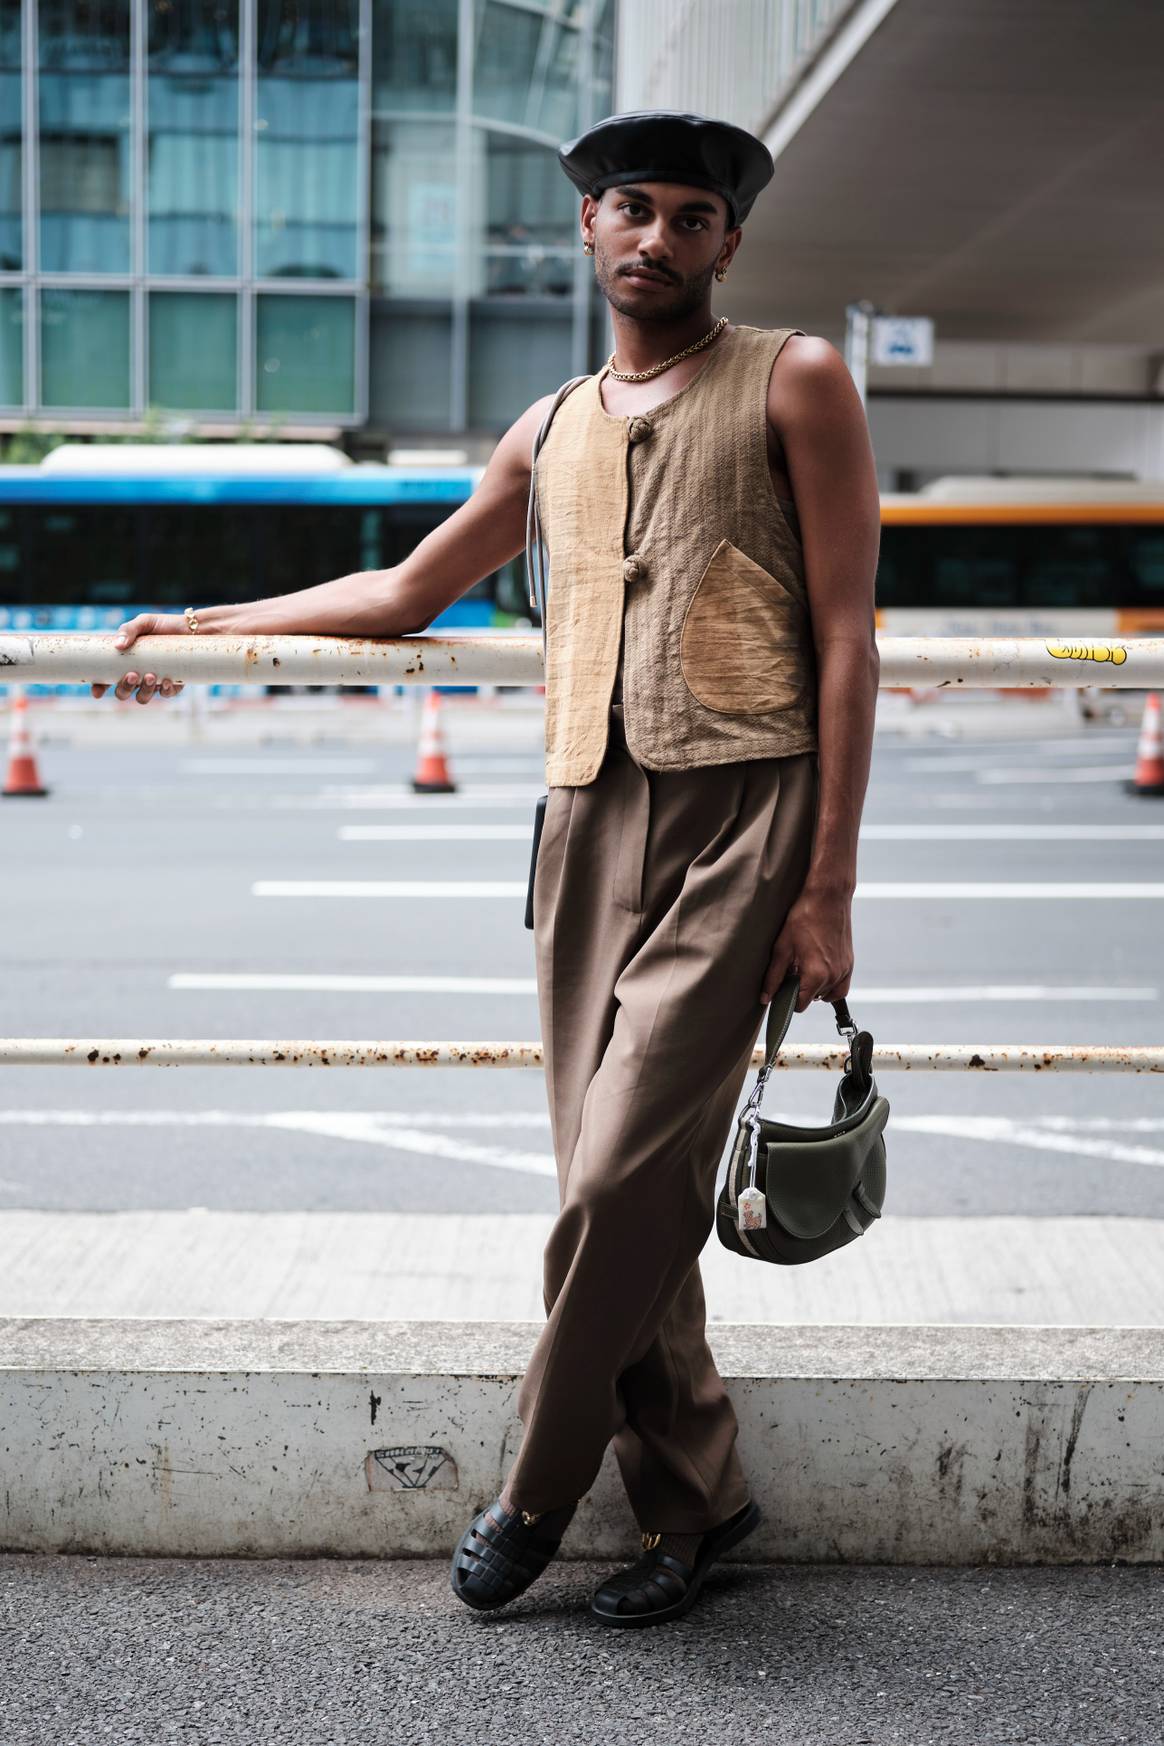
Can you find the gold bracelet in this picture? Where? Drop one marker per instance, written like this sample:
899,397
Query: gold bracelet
191,621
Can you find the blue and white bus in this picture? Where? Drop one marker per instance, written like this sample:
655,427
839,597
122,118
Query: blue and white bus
97,533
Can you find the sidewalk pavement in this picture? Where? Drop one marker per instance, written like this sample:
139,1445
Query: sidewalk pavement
143,1652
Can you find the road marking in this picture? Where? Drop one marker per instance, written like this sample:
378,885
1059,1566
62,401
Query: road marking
417,1132
277,766
389,1131
396,800
1103,773
969,758
886,833
1000,1130
1012,833
997,991
966,761
389,888
259,981
943,890
435,833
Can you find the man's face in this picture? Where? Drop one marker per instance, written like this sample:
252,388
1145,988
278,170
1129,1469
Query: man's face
657,245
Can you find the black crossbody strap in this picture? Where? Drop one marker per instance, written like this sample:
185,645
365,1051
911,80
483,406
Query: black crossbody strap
535,545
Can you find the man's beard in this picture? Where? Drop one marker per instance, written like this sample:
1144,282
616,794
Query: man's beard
684,299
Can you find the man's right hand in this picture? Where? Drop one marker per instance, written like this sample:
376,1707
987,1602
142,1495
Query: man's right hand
146,685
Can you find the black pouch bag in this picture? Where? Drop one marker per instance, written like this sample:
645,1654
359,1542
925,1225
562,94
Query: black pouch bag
794,1194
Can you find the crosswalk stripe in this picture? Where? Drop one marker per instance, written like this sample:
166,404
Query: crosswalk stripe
436,833
311,982
942,890
1012,833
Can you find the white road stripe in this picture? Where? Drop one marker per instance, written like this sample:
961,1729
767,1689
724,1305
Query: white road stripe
964,756
944,890
277,766
389,1132
875,833
1012,833
386,800
990,889
259,981
963,761
436,833
1000,1130
389,888
415,1131
1102,773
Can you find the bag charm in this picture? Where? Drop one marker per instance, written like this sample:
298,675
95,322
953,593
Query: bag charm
752,1204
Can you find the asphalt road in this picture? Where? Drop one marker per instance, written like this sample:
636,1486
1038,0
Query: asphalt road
324,1653
141,880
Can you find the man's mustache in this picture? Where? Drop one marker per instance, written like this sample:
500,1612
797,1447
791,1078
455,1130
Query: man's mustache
644,267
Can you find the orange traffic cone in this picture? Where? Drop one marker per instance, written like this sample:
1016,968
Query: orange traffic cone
22,777
1149,777
432,770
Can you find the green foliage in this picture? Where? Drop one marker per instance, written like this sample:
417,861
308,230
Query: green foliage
29,445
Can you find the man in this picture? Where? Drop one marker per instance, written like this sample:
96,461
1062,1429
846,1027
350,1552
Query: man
711,513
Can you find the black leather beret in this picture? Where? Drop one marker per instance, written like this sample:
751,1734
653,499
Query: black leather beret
663,145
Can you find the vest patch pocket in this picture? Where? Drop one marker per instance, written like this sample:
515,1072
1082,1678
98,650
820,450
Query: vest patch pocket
742,648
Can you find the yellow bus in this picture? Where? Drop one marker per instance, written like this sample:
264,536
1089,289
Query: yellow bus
1022,557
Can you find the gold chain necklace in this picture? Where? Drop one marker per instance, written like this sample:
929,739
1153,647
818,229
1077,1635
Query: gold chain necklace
657,369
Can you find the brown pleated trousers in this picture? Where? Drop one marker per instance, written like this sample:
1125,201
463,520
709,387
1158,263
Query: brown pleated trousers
657,899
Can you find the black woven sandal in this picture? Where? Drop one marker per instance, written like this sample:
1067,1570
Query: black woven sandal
660,1587
497,1559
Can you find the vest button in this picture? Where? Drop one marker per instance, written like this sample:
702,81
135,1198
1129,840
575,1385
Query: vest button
633,570
638,430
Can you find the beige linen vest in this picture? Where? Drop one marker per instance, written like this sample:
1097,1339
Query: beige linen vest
664,530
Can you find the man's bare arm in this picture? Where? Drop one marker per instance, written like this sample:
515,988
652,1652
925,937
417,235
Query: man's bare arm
480,536
821,423
475,540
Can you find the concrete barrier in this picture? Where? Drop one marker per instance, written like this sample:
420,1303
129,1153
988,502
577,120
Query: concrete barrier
381,1439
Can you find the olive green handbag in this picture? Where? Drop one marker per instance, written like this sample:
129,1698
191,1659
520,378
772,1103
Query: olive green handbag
794,1194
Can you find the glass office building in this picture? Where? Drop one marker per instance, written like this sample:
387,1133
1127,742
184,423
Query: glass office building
318,212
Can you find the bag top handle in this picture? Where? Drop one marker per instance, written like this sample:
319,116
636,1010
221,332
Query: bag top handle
780,1010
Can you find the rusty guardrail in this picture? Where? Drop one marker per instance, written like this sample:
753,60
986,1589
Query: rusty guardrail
1132,663
263,1052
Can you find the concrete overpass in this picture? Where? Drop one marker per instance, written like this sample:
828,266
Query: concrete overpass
993,166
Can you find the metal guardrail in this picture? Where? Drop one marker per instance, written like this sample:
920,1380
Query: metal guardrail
263,1052
987,662
1132,663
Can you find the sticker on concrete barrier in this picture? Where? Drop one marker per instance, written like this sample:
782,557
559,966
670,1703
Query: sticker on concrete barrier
423,1468
1112,652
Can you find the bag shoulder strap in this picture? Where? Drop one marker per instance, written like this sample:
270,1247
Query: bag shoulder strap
535,545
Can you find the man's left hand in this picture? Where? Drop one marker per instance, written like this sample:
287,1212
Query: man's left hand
817,941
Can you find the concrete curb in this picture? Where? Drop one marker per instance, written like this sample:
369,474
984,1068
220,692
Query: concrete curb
381,1439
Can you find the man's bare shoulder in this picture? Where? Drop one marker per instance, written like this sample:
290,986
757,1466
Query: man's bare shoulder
807,360
810,377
